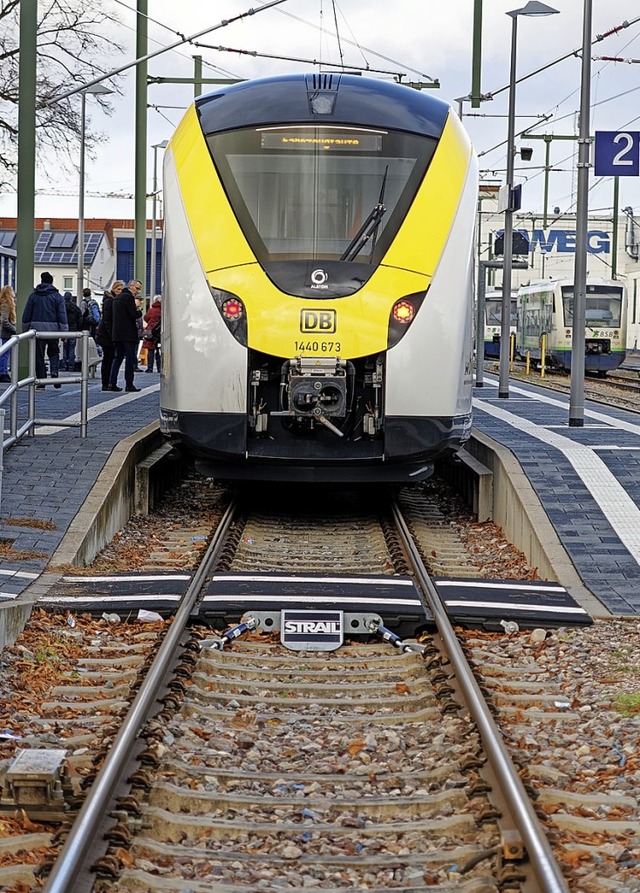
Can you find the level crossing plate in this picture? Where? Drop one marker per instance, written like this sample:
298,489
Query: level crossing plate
118,593
528,603
474,602
395,598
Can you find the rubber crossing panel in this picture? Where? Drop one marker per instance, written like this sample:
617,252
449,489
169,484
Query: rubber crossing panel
527,603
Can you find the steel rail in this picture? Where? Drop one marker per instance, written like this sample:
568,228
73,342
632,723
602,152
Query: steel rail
71,860
543,862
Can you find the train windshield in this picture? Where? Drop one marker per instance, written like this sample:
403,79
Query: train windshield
493,311
603,305
320,192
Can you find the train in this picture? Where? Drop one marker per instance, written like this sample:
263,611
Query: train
318,270
546,308
493,321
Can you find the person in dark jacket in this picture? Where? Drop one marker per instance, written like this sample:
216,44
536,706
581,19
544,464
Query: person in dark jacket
45,312
74,317
124,333
103,334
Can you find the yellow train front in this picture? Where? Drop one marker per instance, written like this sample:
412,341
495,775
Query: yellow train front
317,283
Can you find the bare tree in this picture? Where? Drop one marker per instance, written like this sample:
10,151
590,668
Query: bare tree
73,48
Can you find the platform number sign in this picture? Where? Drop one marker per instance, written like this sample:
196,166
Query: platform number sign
617,153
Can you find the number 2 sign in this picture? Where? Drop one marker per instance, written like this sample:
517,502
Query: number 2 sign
617,153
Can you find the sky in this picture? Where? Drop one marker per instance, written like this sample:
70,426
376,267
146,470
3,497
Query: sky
420,39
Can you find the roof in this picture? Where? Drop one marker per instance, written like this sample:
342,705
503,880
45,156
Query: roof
57,247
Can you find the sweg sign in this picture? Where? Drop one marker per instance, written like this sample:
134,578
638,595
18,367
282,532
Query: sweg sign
564,240
311,630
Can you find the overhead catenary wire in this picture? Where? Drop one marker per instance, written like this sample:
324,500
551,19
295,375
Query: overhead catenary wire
335,23
103,77
576,52
362,48
222,49
218,69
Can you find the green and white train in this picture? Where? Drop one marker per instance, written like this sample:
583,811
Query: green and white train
546,308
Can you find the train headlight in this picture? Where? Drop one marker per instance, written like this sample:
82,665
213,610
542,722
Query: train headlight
402,314
232,311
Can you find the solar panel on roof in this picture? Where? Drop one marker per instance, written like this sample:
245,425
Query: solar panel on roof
62,240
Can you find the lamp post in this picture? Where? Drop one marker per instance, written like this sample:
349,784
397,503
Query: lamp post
533,8
94,89
152,278
576,398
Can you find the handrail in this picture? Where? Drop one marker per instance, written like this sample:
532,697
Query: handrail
10,394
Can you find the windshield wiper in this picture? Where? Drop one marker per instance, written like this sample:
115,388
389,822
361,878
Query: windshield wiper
370,226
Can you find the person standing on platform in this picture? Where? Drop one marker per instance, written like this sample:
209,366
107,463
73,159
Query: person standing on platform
140,325
124,333
74,318
90,312
7,326
103,334
45,312
152,328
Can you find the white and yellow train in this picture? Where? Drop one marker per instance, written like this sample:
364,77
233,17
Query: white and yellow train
318,280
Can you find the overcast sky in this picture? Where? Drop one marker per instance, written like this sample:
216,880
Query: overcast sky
422,39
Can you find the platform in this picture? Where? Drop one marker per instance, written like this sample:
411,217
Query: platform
47,477
586,478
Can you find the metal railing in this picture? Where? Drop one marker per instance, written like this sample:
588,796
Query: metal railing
9,397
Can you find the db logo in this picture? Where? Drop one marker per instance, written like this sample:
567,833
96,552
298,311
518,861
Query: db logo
318,321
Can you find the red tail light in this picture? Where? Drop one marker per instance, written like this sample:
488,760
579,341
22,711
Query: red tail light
403,311
232,308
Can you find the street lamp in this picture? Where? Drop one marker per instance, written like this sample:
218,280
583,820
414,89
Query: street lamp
152,286
533,8
576,398
94,89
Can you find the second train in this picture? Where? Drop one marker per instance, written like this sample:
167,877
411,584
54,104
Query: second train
544,324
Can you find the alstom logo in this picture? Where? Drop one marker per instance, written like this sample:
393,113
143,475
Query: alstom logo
319,278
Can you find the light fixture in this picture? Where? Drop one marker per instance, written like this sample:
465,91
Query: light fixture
94,90
533,8
152,278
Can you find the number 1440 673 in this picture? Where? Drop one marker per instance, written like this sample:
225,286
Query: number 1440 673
332,347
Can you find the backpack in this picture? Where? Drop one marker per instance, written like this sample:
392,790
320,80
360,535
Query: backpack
87,319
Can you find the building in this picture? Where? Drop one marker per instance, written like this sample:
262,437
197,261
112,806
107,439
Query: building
548,246
108,251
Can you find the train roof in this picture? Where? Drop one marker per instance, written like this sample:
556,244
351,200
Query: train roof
340,99
547,284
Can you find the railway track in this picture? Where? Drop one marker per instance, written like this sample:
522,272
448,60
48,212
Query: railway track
617,388
243,765
254,767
